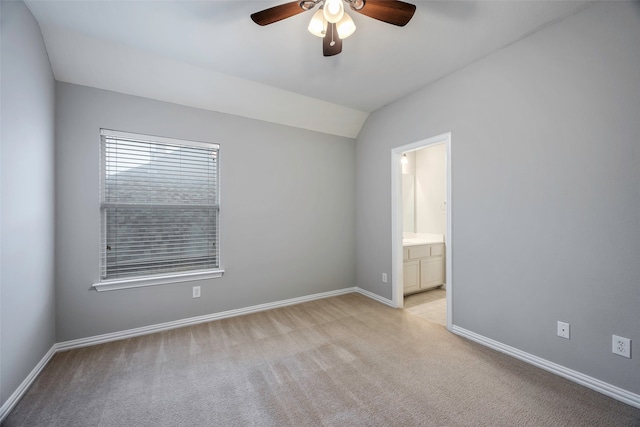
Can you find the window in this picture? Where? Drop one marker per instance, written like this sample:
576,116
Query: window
159,210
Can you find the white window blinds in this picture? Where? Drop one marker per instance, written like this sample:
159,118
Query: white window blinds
159,206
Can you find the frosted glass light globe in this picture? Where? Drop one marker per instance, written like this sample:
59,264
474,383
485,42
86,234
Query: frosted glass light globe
318,25
333,10
345,27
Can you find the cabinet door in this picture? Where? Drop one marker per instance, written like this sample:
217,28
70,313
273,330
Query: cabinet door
431,272
411,276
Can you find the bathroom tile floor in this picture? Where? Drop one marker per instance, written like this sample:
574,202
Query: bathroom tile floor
430,305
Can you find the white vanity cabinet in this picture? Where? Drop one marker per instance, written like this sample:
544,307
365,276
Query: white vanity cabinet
423,267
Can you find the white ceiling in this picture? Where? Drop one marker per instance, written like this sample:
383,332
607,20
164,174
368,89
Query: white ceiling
209,54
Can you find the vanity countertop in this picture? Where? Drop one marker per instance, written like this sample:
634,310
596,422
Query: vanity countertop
425,240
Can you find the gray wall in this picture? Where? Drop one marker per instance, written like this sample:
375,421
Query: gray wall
287,212
546,190
27,215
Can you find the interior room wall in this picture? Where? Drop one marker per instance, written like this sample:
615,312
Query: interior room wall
545,184
287,212
431,185
27,322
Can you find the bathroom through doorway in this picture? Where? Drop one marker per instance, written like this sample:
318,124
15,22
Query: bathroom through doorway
421,234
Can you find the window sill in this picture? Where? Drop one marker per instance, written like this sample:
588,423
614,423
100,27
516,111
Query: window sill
112,285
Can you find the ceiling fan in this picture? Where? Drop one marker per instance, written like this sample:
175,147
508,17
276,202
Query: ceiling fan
332,23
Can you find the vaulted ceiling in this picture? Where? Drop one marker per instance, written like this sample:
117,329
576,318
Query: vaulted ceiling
209,54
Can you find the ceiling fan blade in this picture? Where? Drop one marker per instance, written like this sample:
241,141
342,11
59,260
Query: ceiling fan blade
390,11
331,43
277,13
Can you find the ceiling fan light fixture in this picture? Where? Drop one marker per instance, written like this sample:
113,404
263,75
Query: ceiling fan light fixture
345,27
331,23
333,10
318,25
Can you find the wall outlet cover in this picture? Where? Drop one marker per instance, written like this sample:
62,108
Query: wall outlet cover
196,292
621,346
563,330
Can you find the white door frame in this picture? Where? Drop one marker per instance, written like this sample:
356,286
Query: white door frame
396,221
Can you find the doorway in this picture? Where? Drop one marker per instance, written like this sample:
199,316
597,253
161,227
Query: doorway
397,220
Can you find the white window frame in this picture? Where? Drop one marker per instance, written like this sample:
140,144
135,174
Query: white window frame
157,279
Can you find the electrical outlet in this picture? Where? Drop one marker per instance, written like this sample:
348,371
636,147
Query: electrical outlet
563,329
384,277
621,346
196,292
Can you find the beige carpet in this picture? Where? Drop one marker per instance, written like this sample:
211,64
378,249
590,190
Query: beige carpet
342,361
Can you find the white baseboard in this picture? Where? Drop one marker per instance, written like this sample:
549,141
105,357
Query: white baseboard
24,386
130,333
593,383
374,296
